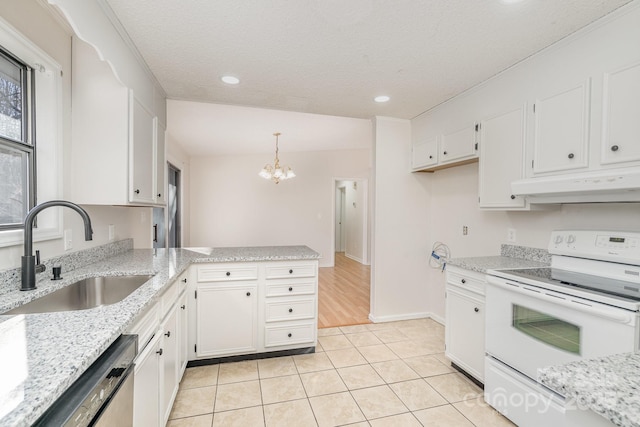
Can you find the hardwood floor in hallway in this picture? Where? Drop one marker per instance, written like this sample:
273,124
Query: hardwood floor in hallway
343,293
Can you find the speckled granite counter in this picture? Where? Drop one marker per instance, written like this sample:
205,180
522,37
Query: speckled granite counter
511,257
609,386
43,354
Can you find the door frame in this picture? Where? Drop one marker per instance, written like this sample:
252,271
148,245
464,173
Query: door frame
363,183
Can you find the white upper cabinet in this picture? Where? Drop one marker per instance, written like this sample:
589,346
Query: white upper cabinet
502,140
425,153
562,130
459,145
621,116
142,127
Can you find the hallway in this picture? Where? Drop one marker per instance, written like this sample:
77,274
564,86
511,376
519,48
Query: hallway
343,293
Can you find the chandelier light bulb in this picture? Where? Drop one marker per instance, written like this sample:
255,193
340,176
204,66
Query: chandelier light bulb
276,173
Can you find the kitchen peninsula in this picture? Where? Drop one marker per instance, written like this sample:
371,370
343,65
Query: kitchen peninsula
43,354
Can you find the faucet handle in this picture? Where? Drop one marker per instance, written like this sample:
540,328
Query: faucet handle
39,267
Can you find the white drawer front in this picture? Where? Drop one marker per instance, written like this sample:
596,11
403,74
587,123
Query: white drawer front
220,273
298,287
145,327
467,280
282,271
290,334
183,280
169,298
291,309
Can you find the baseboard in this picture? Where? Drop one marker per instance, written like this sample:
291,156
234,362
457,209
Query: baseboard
355,258
437,318
397,317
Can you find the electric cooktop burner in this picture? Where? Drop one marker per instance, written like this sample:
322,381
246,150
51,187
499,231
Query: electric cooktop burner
569,279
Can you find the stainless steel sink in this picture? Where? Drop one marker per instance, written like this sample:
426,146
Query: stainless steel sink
87,293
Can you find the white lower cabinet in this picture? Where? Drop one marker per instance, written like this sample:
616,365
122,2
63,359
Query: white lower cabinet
161,357
169,362
184,332
146,402
226,319
252,307
464,323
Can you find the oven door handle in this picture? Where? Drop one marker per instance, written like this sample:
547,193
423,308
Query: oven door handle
563,301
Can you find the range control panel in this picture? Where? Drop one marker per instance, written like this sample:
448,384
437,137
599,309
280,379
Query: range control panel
616,246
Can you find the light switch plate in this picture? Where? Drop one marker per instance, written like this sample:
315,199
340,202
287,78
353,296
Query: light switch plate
511,235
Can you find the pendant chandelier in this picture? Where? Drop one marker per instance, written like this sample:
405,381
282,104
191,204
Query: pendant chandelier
276,173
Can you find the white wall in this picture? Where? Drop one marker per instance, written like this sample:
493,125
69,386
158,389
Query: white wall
232,206
401,234
36,23
454,203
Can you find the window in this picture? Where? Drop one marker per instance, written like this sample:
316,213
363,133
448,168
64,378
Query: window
31,105
17,155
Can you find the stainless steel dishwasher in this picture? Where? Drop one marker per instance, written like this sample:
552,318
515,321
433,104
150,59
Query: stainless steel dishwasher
103,395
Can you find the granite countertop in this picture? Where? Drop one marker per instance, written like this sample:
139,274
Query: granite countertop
511,256
609,386
43,354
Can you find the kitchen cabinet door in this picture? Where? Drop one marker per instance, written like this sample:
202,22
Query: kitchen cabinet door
621,117
226,319
142,126
502,159
184,332
562,130
169,362
146,387
458,145
160,168
425,154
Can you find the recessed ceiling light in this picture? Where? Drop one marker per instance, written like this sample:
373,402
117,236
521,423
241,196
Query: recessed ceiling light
230,80
381,98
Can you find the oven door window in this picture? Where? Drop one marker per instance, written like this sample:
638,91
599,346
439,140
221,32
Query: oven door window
546,328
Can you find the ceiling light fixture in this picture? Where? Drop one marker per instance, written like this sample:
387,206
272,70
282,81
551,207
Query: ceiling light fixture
276,173
381,98
230,80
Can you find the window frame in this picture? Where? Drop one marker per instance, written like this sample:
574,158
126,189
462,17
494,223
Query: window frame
28,143
48,104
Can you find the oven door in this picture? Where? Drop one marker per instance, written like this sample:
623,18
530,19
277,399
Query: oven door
528,327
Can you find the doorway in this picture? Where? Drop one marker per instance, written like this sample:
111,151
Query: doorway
174,229
350,220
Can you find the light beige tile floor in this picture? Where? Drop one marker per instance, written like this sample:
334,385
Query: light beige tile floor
391,374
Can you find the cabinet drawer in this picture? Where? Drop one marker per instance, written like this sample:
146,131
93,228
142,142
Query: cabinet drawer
474,282
295,333
183,280
145,327
280,271
169,298
286,288
220,273
290,309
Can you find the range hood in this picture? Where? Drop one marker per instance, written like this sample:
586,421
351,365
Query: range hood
613,185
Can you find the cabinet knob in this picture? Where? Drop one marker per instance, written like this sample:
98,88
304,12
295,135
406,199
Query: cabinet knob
184,280
289,335
137,191
168,334
248,294
571,156
159,195
513,197
464,280
290,271
183,306
159,352
614,148
445,153
228,273
431,157
476,309
290,289
291,310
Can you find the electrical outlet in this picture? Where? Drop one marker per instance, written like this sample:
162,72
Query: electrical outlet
112,232
511,235
68,240
465,230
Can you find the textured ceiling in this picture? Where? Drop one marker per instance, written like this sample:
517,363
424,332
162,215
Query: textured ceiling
328,57
333,56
